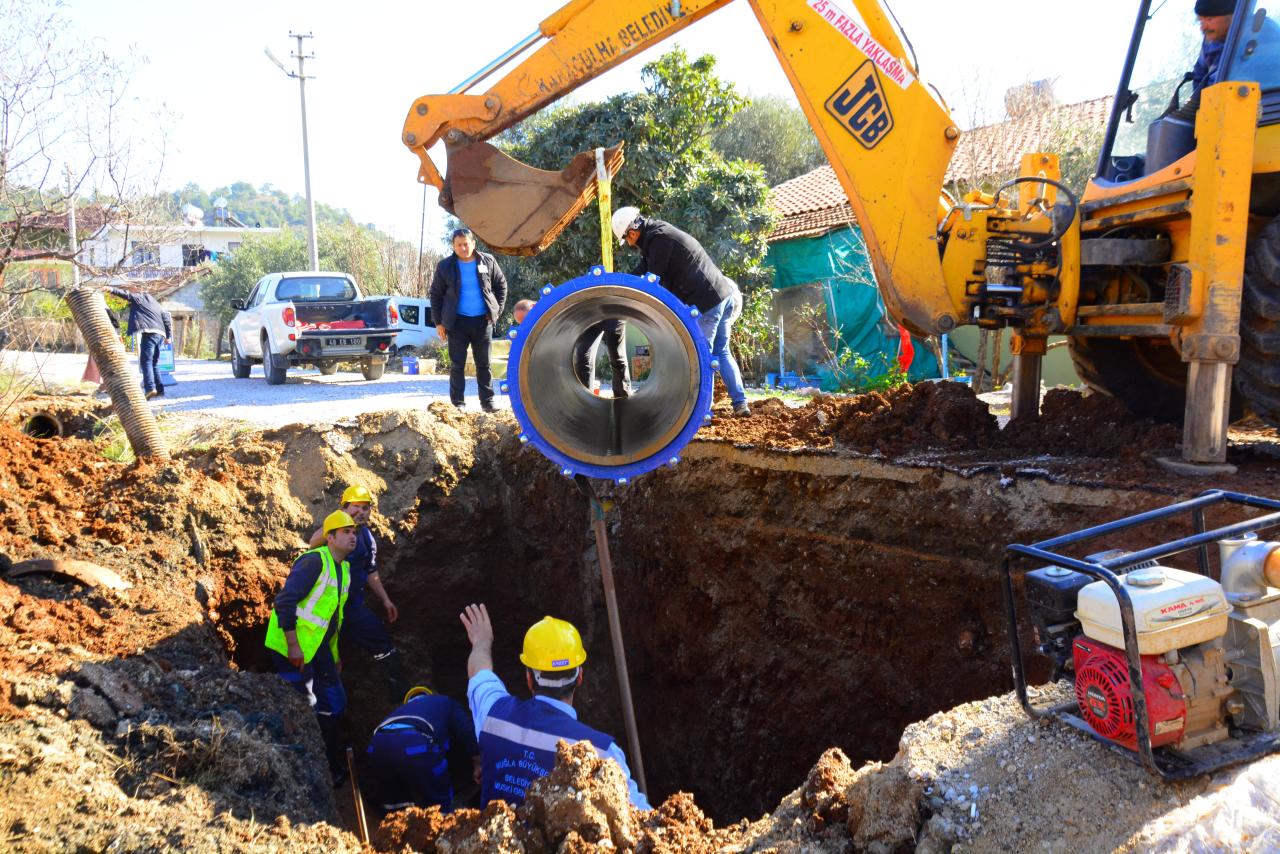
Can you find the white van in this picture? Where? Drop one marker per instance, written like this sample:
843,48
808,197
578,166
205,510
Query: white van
417,327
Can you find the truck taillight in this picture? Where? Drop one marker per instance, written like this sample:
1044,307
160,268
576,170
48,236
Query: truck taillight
290,316
382,345
395,315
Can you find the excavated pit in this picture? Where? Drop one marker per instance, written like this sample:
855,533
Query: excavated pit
774,603
804,580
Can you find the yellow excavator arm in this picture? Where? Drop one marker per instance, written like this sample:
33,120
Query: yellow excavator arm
887,136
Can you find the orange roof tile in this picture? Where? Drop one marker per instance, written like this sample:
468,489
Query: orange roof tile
815,203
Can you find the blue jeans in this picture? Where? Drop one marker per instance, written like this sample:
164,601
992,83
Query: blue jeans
716,327
148,357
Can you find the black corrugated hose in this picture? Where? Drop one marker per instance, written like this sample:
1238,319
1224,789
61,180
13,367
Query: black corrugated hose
90,313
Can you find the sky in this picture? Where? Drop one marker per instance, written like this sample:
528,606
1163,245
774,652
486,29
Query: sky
236,116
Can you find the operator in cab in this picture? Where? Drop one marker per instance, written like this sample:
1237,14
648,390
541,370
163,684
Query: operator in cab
1257,51
1215,22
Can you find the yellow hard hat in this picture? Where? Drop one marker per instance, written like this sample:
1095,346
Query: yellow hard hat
552,644
417,691
357,494
338,519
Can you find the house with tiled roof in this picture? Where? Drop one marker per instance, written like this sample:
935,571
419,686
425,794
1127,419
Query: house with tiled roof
818,255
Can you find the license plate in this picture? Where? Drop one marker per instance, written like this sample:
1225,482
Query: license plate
341,342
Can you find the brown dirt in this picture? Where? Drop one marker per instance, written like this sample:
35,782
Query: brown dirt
944,417
802,588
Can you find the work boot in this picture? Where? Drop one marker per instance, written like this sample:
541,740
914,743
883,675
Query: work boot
331,735
152,394
392,665
742,410
488,406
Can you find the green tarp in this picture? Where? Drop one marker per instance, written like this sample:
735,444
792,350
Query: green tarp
838,261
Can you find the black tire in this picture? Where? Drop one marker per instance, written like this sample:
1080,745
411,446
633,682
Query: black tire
328,369
1147,375
1258,373
373,370
275,367
240,366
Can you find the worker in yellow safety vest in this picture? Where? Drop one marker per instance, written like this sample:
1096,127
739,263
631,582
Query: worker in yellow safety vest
306,620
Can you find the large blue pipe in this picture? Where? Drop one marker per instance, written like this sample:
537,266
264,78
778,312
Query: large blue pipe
595,436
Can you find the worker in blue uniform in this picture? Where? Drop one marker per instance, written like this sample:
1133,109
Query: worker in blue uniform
360,625
410,751
518,737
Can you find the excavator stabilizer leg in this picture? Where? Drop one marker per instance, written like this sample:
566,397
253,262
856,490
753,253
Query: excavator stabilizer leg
514,208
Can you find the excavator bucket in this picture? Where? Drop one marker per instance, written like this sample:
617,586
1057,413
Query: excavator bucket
514,208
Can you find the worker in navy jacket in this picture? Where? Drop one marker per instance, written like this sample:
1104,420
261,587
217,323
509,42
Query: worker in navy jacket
410,751
359,624
153,326
518,737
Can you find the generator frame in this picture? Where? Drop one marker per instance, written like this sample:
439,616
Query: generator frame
1166,763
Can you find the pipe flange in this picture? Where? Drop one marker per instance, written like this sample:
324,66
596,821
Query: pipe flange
601,437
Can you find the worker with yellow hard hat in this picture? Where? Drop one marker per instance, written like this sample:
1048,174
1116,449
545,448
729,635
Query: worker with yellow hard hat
518,737
360,625
306,620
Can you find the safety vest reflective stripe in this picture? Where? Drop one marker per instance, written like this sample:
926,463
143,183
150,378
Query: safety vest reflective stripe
324,604
526,737
409,720
328,580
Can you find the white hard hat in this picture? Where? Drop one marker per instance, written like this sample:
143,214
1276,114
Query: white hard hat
622,219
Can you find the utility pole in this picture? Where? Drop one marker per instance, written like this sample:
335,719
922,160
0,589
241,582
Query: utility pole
71,229
301,77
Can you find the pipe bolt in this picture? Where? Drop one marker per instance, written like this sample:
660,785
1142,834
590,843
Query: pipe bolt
546,291
512,333
422,109
505,388
411,138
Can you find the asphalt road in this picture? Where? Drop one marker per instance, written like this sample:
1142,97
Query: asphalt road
207,387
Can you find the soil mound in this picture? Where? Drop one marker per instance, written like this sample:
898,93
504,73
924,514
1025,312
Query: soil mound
1091,425
945,416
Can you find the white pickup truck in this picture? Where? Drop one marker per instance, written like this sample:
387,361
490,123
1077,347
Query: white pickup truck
316,319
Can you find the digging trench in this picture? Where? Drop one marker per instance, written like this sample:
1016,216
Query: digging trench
773,604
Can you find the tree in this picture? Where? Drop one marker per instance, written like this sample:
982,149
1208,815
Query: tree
379,264
68,126
671,172
773,132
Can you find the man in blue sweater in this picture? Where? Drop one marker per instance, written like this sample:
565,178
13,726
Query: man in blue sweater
518,737
467,295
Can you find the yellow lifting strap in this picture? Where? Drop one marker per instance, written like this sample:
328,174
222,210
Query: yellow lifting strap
604,192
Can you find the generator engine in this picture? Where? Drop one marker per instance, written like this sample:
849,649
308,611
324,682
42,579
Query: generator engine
1210,651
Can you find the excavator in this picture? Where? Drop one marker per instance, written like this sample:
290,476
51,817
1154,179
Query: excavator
1164,274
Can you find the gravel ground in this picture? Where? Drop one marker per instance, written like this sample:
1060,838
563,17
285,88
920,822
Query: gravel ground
206,387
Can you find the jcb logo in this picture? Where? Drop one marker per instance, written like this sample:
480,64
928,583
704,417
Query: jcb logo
861,106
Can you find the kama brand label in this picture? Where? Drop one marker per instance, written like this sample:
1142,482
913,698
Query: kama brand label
560,662
1183,608
861,107
892,67
1161,727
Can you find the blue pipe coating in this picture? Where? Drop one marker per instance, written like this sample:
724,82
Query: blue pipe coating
600,437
